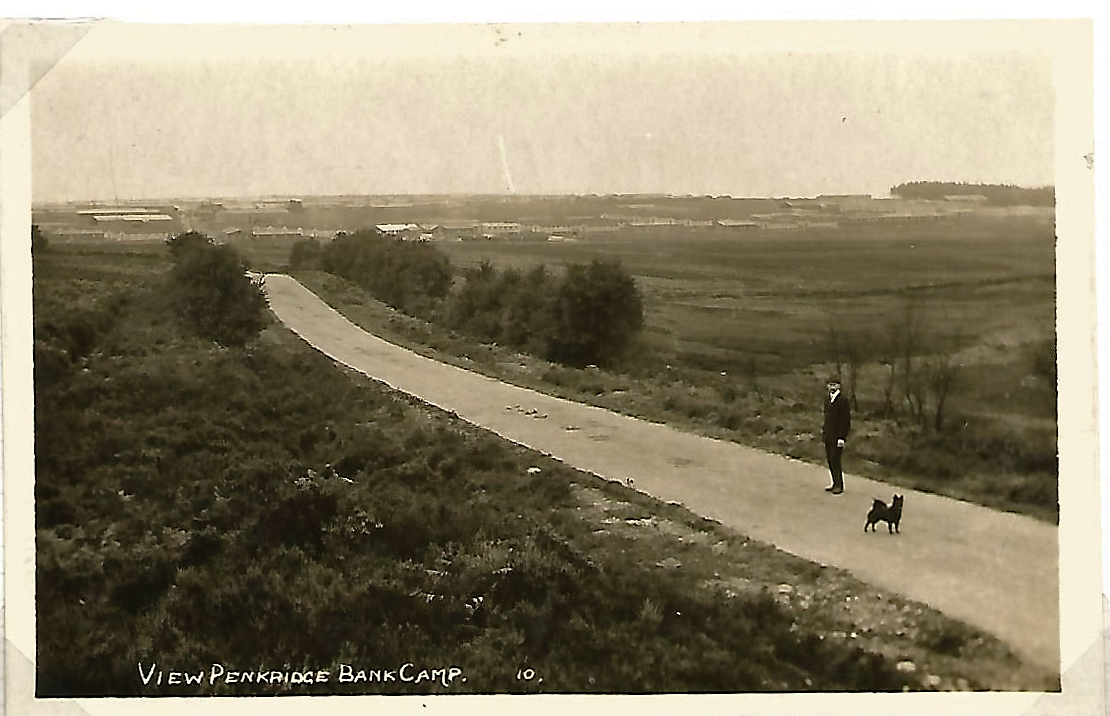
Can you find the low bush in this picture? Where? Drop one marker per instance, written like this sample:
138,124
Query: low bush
410,276
306,254
595,315
589,316
212,292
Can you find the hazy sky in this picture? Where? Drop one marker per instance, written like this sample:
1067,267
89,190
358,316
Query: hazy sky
136,112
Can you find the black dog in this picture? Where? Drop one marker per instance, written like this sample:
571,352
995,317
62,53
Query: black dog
892,515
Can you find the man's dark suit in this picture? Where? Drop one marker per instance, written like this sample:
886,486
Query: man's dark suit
838,422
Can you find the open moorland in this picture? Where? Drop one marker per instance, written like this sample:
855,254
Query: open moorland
939,315
186,516
750,328
741,330
723,299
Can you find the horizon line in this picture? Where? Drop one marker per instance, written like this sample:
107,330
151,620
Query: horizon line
525,195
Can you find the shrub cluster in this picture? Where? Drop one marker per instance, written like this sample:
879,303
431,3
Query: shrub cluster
212,291
589,315
306,253
595,314
409,276
503,307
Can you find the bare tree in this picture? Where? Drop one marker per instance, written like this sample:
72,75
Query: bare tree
888,345
911,330
941,372
890,380
917,394
753,374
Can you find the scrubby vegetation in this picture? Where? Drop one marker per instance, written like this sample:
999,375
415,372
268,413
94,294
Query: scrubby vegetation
411,277
596,314
306,254
588,315
251,505
507,307
943,340
212,292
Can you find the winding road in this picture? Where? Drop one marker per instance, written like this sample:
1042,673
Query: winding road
994,570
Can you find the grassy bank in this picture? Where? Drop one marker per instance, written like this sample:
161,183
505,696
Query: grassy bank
185,516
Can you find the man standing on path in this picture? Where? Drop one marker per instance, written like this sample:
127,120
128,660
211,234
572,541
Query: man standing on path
838,422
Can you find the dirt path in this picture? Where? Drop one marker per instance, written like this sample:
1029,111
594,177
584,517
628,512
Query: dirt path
994,570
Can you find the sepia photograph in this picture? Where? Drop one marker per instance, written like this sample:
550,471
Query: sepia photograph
739,359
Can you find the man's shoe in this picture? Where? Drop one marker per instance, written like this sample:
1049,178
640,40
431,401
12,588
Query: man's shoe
837,491
830,488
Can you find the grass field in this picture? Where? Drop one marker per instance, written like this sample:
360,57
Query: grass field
178,523
771,294
736,343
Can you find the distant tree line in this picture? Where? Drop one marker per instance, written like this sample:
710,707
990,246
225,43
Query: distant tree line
212,291
588,316
997,194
